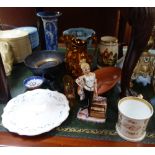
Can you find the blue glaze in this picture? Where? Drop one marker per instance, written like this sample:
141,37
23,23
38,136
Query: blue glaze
33,35
33,78
80,33
41,56
50,29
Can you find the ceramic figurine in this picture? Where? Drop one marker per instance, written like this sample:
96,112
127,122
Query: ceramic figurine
7,57
87,85
98,108
144,69
69,91
93,106
144,80
97,111
144,66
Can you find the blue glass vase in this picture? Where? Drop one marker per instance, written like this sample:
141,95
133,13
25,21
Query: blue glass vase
50,29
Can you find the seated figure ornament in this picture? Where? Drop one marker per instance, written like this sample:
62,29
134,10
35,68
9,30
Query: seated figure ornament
143,71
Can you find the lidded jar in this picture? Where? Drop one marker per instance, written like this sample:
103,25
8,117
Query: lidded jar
108,51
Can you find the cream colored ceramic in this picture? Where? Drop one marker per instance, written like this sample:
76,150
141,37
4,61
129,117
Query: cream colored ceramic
134,115
7,57
108,51
19,43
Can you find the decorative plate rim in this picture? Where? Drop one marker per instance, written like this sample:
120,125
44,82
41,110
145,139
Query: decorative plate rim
12,126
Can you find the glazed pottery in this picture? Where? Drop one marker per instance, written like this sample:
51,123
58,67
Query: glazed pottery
134,115
33,35
77,40
44,62
33,82
7,57
108,51
107,77
143,71
50,28
19,43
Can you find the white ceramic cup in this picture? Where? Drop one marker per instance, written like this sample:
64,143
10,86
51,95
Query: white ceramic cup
133,117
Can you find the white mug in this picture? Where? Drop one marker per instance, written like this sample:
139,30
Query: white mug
133,117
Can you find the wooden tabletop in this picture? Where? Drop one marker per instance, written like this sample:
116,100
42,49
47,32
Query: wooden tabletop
9,139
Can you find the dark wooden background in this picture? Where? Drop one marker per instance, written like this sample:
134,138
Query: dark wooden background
104,20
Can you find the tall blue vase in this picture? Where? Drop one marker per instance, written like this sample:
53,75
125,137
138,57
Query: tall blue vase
50,29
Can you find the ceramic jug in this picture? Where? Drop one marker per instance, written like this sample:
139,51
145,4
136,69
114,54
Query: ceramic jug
77,41
108,51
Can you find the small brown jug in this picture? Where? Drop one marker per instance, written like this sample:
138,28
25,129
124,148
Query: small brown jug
76,40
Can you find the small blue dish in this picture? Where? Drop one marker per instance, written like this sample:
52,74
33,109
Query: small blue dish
33,82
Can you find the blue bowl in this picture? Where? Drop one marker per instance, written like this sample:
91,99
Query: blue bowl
81,33
44,62
33,82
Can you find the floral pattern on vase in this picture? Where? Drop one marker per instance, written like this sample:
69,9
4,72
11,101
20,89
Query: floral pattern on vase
50,29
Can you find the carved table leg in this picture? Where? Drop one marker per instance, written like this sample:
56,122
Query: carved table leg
141,20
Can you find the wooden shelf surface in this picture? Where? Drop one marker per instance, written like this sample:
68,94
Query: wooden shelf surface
9,139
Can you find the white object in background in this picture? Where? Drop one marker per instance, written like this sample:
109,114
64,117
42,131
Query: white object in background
134,115
19,43
35,112
120,61
7,57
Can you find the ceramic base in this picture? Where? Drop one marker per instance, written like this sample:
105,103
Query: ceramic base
130,139
83,115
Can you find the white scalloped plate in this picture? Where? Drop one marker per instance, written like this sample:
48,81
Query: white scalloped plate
35,112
